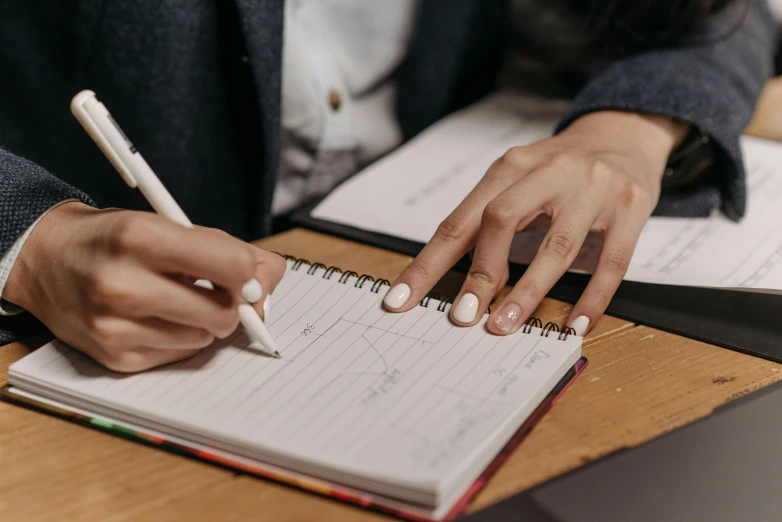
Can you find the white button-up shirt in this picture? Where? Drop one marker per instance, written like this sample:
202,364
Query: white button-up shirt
338,96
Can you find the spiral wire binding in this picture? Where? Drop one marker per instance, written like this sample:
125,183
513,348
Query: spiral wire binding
428,297
565,332
377,284
314,268
330,271
550,327
444,302
343,279
529,324
298,264
363,279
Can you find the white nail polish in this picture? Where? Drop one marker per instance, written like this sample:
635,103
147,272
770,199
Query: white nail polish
466,308
580,324
203,283
252,291
397,296
266,307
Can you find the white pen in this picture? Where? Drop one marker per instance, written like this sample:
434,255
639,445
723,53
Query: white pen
102,128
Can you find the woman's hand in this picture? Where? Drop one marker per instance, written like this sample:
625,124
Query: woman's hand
118,285
601,174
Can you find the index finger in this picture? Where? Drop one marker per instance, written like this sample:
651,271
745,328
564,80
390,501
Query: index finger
191,252
269,270
454,237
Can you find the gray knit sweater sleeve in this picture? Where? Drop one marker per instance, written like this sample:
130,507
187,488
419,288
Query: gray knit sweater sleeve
712,81
27,191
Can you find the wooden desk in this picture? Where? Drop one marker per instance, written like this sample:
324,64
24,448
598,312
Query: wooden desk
639,384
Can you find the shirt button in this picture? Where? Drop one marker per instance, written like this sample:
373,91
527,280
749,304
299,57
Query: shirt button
335,101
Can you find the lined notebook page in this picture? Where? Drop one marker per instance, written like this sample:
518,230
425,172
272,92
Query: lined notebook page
401,397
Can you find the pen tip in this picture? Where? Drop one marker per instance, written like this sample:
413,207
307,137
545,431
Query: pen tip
277,354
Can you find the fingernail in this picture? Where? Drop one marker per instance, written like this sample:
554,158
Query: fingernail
203,283
252,291
580,324
507,317
266,307
397,296
466,308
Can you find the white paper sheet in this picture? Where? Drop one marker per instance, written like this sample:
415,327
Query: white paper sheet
408,193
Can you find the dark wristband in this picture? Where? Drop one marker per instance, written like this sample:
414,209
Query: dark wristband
694,156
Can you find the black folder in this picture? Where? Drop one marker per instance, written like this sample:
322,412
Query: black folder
748,322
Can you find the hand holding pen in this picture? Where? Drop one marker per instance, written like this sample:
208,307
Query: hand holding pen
102,128
118,284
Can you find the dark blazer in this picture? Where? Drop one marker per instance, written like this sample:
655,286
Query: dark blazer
196,85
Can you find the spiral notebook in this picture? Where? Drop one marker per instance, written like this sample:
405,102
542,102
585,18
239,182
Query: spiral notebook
401,412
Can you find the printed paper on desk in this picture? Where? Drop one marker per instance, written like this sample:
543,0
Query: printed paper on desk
709,252
414,189
408,193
